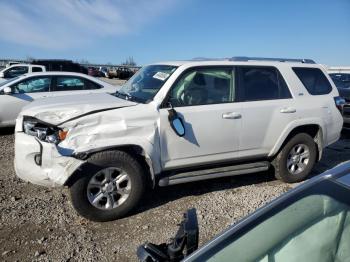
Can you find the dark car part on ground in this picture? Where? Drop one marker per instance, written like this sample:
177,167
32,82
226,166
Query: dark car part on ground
318,209
183,244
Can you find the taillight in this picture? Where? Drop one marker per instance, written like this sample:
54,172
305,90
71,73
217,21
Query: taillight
339,103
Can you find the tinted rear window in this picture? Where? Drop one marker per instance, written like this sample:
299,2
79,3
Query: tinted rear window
262,83
314,80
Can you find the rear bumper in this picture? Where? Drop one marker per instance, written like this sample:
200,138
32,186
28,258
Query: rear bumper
54,167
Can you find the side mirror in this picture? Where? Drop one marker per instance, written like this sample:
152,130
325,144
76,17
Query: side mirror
183,244
7,90
176,122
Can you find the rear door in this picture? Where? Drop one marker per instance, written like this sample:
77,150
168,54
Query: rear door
267,108
23,93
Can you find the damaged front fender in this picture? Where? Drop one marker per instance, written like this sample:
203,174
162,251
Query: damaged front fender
132,127
54,168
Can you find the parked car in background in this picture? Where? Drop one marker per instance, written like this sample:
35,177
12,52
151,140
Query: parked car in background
179,122
309,223
112,73
93,71
19,69
21,90
124,73
103,71
341,78
60,65
12,63
41,66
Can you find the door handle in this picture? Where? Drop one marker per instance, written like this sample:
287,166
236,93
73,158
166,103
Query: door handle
231,115
288,110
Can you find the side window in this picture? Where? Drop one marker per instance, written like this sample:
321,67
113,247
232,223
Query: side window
203,86
37,69
261,83
32,85
16,71
314,80
68,83
91,85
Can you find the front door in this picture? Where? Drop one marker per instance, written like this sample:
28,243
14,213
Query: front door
204,100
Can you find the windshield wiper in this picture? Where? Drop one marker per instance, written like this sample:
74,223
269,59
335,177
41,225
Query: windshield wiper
123,95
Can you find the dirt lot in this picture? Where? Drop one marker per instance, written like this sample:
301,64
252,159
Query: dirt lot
39,224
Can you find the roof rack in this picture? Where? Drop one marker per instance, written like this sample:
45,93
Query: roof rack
245,58
209,59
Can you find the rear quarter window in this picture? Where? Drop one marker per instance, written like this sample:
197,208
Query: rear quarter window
313,80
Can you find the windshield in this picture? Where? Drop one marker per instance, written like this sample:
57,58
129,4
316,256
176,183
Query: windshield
146,83
8,81
341,80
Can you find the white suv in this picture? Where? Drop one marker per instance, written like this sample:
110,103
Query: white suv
178,122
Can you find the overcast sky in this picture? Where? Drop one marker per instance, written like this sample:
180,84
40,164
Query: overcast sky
104,31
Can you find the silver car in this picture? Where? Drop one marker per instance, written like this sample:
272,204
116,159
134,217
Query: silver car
17,92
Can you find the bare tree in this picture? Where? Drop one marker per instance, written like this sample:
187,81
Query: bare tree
129,61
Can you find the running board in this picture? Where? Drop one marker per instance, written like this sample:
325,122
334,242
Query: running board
217,172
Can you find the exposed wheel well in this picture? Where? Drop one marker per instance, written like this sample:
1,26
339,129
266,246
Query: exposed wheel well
315,131
135,151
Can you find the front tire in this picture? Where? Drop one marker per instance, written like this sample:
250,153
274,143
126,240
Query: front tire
297,158
109,187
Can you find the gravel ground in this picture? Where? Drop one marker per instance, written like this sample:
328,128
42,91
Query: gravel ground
39,224
113,81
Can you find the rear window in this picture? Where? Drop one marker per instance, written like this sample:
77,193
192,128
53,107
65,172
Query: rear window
314,80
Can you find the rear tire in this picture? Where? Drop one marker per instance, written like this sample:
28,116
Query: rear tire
296,159
109,187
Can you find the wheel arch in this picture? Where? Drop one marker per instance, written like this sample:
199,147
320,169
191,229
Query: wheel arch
314,130
136,151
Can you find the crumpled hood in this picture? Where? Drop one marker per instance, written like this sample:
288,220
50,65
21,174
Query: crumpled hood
56,110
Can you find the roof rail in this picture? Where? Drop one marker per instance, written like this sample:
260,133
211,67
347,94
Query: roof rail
245,58
209,59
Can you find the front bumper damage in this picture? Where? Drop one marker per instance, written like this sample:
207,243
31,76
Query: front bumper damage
43,163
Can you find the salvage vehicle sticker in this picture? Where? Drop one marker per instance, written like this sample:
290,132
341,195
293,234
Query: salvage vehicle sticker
161,76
